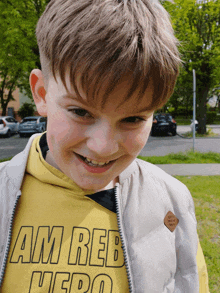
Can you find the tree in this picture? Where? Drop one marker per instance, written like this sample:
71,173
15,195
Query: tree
9,84
182,98
19,52
26,109
197,26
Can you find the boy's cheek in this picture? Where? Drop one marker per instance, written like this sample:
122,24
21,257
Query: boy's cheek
57,121
136,143
143,137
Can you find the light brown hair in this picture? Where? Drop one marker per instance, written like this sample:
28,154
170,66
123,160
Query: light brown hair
102,40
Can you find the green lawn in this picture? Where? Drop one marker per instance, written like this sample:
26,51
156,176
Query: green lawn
188,157
6,159
184,158
206,194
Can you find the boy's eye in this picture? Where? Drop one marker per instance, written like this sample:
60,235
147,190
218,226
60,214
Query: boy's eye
80,112
134,119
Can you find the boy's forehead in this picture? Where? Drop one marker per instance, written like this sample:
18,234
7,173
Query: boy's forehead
117,97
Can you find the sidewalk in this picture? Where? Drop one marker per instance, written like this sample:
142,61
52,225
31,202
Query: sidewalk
191,169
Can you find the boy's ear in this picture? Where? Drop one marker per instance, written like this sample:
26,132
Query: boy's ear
38,91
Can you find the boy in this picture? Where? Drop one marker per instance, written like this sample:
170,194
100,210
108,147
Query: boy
93,218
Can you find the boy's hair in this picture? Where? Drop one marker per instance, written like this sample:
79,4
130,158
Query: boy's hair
101,41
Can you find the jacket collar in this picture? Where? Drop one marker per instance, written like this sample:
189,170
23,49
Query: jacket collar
128,171
15,168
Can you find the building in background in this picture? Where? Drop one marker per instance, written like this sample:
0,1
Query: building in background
13,106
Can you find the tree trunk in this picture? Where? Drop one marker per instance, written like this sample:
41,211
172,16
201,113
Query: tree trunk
201,110
4,109
5,101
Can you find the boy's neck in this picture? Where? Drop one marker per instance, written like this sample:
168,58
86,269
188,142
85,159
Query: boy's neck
110,185
49,159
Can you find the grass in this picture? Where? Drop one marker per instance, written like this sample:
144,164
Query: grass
205,191
182,121
188,157
217,122
7,159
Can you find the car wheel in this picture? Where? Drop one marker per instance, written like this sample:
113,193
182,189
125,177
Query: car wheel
8,133
153,133
173,132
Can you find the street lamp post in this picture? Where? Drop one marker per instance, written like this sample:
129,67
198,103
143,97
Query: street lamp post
194,108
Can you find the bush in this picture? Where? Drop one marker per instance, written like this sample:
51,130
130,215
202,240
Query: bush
26,110
211,117
181,112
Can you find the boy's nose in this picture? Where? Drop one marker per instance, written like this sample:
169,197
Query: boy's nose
103,142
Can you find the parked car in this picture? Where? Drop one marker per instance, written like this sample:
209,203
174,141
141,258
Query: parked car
8,126
31,125
163,124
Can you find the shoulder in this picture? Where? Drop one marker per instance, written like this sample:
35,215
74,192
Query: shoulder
3,174
12,172
163,186
158,176
3,165
153,172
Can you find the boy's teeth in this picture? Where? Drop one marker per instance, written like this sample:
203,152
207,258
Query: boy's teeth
95,162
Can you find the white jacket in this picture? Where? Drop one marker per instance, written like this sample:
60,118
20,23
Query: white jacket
157,260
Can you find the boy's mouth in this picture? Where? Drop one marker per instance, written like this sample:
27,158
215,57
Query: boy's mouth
94,163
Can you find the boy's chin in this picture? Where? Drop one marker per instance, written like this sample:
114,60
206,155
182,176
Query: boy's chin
98,187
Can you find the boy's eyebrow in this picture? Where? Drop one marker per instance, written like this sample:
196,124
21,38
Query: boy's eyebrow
69,96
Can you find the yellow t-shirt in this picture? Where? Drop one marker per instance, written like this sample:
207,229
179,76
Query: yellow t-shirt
202,269
62,241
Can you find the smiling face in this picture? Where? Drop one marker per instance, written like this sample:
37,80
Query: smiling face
92,146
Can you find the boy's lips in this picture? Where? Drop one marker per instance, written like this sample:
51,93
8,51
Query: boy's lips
89,165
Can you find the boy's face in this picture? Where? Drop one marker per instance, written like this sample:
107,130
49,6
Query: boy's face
91,146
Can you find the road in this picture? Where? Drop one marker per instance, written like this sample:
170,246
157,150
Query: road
161,146
11,146
156,146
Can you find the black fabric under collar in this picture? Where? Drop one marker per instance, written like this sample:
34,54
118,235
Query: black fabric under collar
43,145
106,198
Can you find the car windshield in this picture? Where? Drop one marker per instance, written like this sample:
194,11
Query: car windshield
164,117
29,120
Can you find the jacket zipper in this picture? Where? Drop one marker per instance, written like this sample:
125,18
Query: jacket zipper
9,241
122,241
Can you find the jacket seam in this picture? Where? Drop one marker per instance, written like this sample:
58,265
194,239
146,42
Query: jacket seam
8,241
